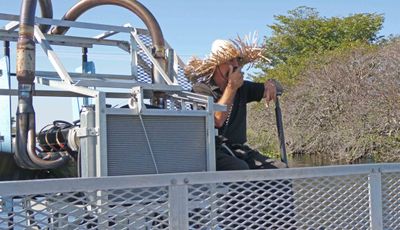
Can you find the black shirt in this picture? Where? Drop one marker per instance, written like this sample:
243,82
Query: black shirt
235,131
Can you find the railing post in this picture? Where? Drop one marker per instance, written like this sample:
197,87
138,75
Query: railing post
178,206
375,199
134,58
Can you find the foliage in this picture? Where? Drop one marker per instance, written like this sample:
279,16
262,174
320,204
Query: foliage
350,106
340,81
346,108
304,34
261,132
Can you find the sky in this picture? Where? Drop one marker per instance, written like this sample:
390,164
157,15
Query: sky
191,26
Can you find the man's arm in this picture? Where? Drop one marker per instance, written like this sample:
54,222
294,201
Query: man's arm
227,99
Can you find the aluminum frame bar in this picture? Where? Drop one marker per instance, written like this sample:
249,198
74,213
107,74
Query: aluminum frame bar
53,58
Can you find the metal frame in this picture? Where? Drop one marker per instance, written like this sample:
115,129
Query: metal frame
5,107
19,188
179,183
87,85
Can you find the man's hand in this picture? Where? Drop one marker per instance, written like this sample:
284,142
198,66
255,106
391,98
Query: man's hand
235,78
270,91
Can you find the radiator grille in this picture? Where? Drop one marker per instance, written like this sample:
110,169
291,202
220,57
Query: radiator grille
178,144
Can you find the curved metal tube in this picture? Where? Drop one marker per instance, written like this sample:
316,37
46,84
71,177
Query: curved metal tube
46,9
136,7
25,152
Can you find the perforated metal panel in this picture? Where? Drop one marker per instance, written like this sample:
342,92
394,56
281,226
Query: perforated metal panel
178,144
145,77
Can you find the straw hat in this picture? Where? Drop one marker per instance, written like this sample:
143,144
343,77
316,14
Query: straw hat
221,52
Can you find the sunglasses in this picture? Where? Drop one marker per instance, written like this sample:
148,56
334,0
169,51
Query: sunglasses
238,59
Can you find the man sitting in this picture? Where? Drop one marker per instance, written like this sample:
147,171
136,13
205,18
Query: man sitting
220,76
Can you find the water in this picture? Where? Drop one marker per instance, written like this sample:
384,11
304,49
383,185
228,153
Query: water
310,160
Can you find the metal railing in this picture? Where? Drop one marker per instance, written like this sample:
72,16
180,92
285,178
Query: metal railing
335,197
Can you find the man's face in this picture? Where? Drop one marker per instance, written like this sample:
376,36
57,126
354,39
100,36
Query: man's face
221,75
225,68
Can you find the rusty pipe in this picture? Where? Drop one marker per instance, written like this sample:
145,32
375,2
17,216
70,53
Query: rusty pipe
46,9
137,8
134,6
25,149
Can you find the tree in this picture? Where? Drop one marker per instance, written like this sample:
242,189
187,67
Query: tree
349,107
309,54
303,34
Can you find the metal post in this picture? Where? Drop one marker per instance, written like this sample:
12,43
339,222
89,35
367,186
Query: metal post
88,143
178,204
7,49
84,58
134,58
210,145
281,135
6,121
375,199
84,69
170,53
101,129
7,54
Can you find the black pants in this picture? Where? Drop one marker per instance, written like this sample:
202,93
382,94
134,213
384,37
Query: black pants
242,157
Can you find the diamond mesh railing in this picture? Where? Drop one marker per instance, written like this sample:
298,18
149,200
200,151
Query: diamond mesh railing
336,197
143,68
391,200
107,208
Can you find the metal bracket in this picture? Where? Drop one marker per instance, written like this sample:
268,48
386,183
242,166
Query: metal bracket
82,132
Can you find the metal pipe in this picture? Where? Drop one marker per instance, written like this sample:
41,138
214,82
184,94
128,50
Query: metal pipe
84,55
279,122
25,151
137,8
134,6
84,59
281,135
85,70
46,9
7,48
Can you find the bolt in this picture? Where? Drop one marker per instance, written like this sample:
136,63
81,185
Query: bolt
174,181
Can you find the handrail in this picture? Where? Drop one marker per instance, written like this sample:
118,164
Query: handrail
331,197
